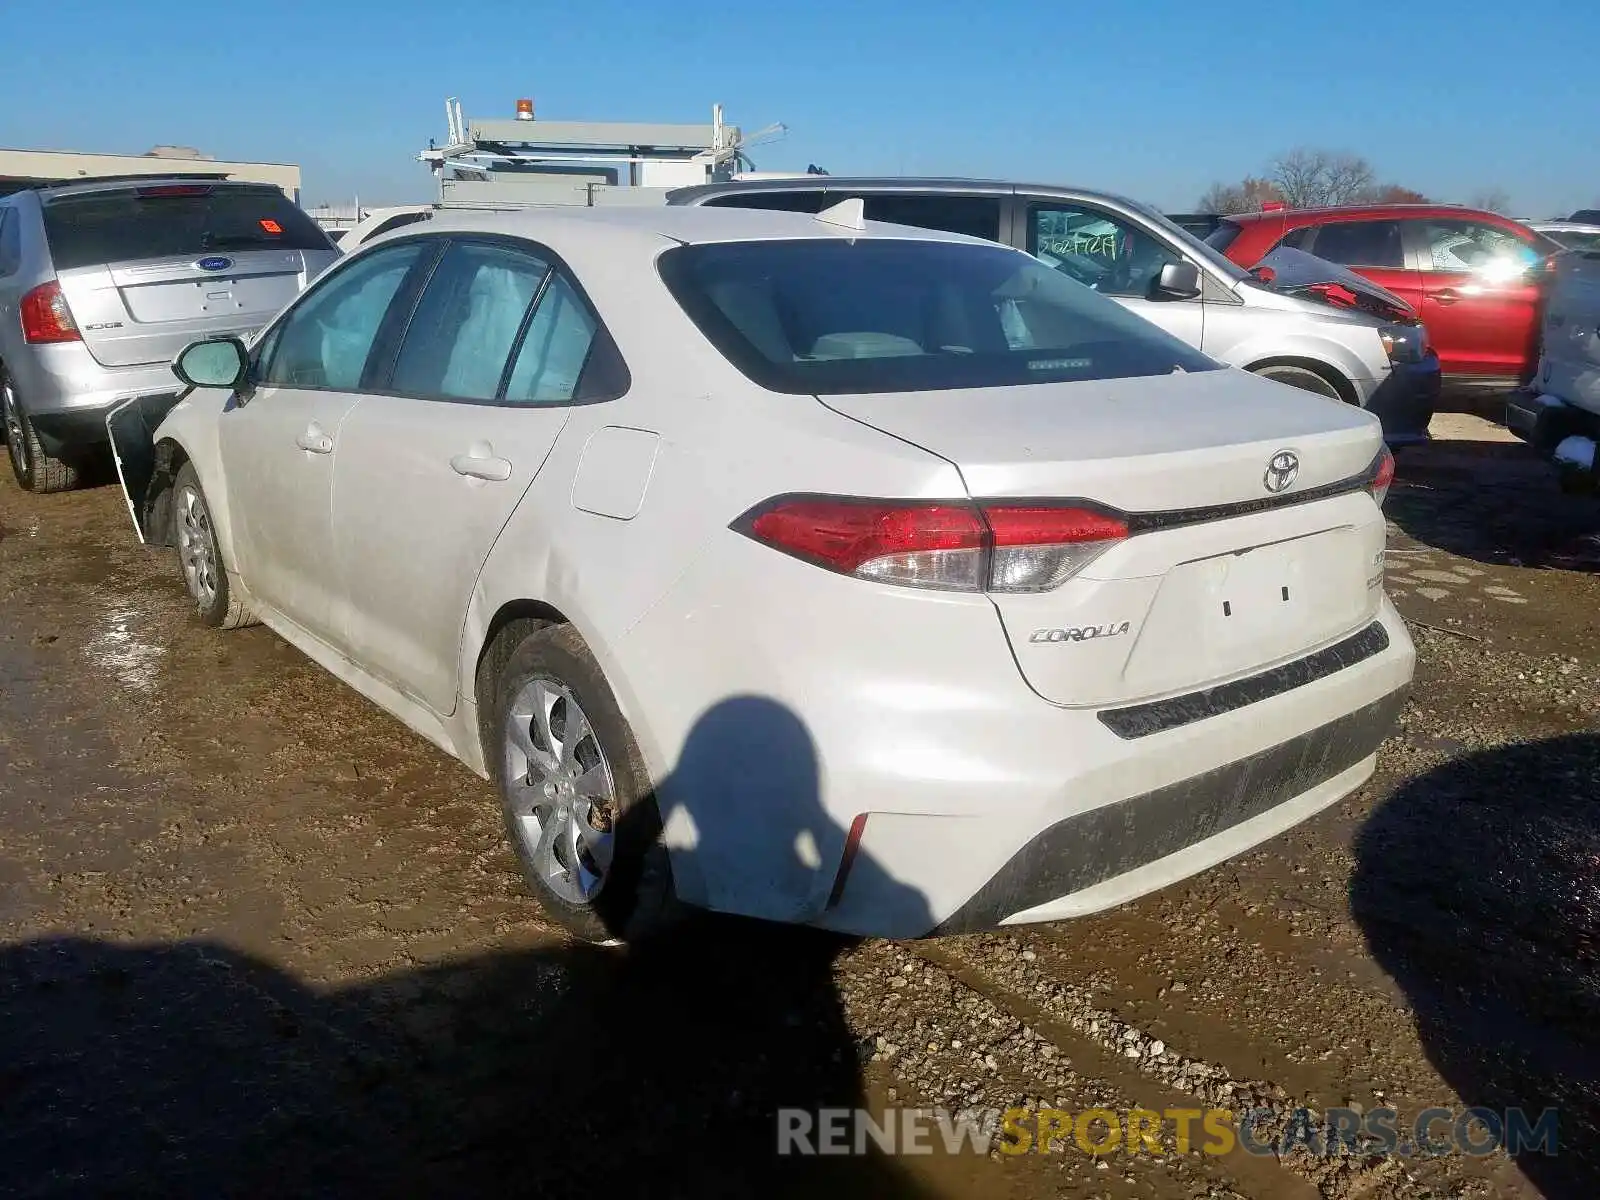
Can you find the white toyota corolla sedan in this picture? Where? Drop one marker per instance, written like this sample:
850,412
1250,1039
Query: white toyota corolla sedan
798,566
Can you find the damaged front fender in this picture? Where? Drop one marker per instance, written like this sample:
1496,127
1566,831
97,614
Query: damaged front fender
132,426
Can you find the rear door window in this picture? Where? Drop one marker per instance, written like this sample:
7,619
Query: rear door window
467,322
808,201
975,216
174,220
1360,244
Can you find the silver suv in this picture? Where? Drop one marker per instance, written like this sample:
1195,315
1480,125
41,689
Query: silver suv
1302,321
103,280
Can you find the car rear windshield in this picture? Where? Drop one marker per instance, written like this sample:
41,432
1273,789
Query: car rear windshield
170,220
1220,238
833,316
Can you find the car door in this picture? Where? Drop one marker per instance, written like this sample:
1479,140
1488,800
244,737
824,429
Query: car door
280,440
502,343
1115,256
1374,250
1480,295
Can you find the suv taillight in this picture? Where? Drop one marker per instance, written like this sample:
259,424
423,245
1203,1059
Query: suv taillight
950,546
1382,476
46,317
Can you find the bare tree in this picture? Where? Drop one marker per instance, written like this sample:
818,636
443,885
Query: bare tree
1247,196
1393,193
1491,199
1313,178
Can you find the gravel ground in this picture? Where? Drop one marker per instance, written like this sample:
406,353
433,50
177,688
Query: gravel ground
256,937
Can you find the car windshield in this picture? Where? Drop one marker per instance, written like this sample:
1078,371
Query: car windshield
169,220
834,316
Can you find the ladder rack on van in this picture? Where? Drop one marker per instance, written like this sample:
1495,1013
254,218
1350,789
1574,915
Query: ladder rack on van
498,163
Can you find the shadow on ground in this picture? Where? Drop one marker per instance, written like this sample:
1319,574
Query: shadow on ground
1478,888
189,1070
1494,502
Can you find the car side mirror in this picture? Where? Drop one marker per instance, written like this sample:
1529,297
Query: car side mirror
214,363
1177,281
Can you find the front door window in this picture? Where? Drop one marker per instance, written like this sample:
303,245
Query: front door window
1107,253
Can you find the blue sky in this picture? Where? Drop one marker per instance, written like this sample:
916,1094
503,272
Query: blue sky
1155,99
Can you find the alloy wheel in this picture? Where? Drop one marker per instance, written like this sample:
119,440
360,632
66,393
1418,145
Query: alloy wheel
561,791
197,548
16,436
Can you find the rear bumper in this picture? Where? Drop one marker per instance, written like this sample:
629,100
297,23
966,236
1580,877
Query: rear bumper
1563,433
1090,819
66,394
1146,840
1405,401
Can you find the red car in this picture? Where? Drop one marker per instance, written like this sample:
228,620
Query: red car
1476,278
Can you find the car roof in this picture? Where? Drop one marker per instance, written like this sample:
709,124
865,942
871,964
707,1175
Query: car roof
654,225
1307,216
48,189
954,185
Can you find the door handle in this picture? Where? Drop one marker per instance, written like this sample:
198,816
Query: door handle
1446,296
480,463
314,440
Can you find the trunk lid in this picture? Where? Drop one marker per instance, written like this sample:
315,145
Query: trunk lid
1221,576
145,311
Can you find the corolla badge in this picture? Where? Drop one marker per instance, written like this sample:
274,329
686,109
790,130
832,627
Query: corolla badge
215,263
1282,470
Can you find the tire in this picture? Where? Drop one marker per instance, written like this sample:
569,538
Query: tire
36,470
1303,378
580,812
205,577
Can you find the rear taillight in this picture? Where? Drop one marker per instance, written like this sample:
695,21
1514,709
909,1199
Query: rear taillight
1039,548
46,317
950,546
1382,476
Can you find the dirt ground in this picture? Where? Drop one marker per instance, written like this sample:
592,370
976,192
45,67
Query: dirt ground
257,938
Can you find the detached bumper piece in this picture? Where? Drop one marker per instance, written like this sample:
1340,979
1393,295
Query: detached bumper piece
1105,842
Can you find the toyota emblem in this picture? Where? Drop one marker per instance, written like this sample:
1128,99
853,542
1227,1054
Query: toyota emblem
1282,470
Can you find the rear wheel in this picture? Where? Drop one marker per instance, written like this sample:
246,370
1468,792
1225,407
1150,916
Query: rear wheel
1303,378
576,796
36,470
200,555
